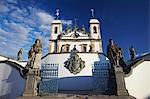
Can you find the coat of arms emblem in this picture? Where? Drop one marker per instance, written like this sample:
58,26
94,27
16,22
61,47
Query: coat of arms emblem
74,64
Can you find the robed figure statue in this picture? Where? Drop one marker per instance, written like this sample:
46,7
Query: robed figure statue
115,54
35,49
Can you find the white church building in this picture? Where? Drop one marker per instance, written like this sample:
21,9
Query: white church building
89,50
89,69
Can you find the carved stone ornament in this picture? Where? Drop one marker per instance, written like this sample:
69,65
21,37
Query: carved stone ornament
75,35
74,64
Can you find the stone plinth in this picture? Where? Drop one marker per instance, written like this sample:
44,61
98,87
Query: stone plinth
120,82
31,83
33,77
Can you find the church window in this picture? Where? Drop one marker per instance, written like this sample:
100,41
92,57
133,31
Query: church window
95,29
65,48
56,30
84,48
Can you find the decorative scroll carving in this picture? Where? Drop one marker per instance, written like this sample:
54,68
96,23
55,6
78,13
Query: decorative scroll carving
74,64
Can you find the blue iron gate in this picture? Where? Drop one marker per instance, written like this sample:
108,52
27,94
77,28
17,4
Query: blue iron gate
100,76
49,79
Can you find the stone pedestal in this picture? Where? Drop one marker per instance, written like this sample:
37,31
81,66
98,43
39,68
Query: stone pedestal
120,82
33,76
31,83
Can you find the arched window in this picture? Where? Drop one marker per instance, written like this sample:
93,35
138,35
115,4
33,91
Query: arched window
65,48
83,47
56,30
94,29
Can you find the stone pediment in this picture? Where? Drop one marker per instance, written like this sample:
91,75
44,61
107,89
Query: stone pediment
74,34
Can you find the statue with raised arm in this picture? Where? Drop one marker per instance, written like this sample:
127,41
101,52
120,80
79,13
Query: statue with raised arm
19,56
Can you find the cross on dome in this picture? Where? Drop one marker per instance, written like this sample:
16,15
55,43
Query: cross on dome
57,13
92,13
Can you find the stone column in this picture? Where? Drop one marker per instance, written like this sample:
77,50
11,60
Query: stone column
57,46
93,46
50,47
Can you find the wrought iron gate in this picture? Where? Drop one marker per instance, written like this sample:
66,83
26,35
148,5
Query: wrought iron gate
49,79
100,76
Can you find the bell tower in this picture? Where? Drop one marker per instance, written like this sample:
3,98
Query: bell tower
95,35
56,27
94,27
55,31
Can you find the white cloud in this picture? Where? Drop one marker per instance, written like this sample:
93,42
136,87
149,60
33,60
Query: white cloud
12,1
3,7
45,18
8,45
22,26
19,30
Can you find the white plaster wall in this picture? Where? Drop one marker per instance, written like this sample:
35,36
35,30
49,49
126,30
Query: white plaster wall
69,81
22,63
61,58
2,58
11,83
138,84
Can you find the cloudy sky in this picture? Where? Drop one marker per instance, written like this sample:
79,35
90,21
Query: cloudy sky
22,21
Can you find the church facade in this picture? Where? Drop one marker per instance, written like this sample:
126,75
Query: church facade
75,65
75,56
63,41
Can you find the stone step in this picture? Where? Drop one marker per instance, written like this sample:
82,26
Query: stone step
75,96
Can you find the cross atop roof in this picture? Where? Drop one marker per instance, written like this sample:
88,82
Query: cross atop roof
57,13
92,13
